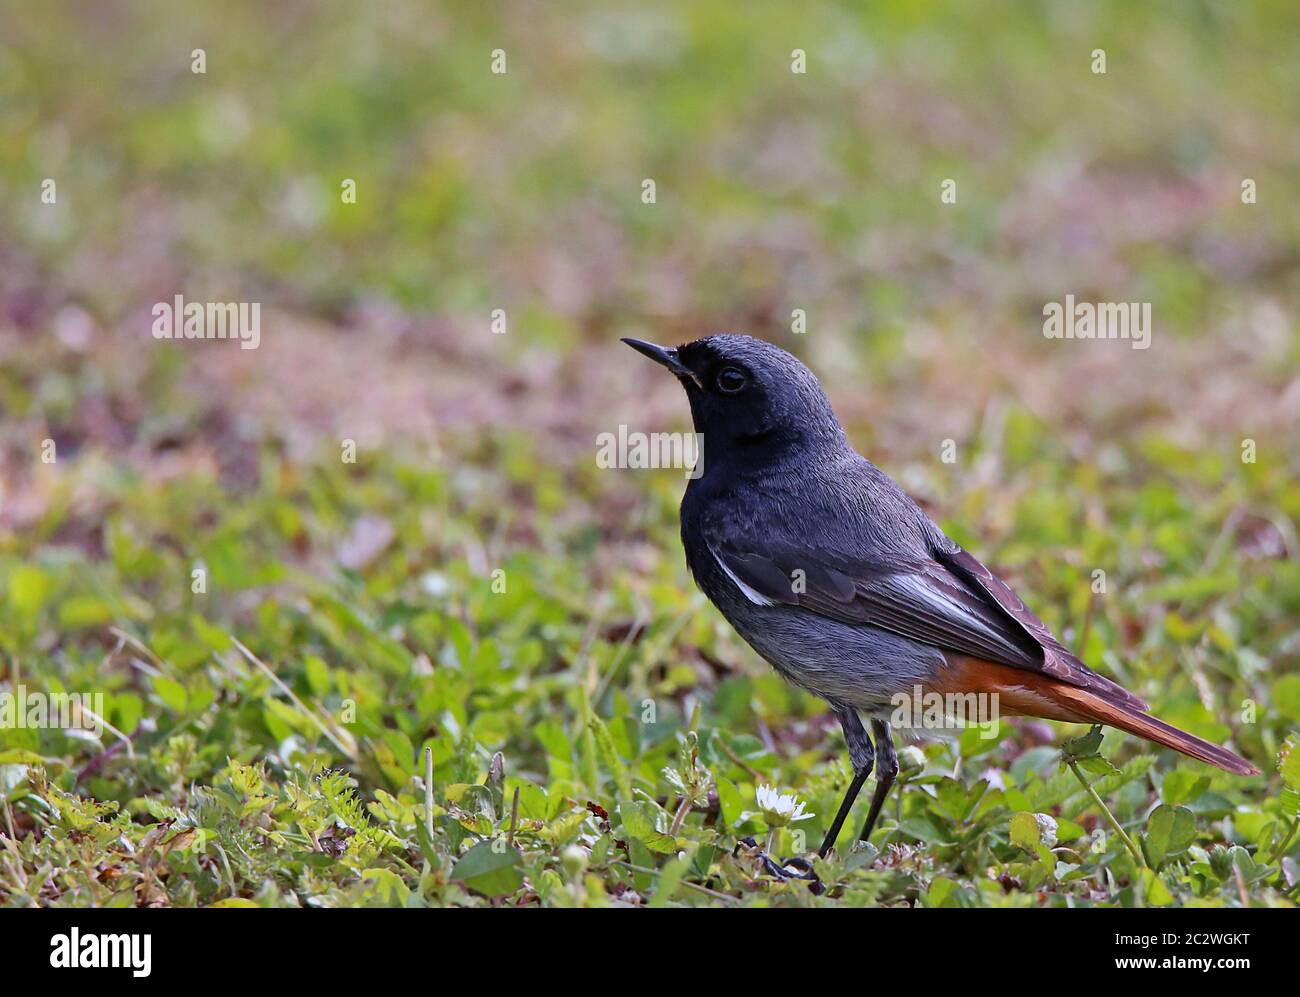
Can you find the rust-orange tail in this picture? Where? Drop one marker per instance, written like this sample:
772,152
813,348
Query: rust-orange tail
1032,694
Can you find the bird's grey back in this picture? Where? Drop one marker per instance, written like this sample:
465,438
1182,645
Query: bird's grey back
850,505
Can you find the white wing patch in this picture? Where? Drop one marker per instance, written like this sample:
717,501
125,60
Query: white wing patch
757,598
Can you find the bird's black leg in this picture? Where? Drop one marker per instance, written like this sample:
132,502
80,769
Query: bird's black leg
862,756
885,775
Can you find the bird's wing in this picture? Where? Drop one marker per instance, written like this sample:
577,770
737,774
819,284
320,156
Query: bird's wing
949,600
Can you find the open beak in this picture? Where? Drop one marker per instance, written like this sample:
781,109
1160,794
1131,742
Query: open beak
661,355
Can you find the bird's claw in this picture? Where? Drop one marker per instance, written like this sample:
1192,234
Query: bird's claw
795,867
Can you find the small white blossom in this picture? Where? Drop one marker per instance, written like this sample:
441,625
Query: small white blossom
780,809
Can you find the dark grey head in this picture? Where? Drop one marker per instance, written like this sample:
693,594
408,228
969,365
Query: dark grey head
745,392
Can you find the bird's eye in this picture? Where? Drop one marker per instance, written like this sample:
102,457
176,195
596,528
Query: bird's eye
731,380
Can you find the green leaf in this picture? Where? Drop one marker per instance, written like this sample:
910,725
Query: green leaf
670,878
1182,786
214,637
490,868
1169,831
609,758
171,692
318,675
20,756
388,886
1286,696
1029,830
1154,889
732,804
1096,765
29,588
941,889
954,800
926,830
1289,762
559,749
82,611
649,824
1079,748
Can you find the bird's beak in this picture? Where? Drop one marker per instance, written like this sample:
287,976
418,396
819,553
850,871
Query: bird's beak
662,355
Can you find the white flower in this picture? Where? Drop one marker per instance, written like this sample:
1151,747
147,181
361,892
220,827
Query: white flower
780,809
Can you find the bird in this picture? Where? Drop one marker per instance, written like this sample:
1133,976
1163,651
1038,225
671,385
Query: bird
841,582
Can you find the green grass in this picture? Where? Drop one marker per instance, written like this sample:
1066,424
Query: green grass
294,773
474,587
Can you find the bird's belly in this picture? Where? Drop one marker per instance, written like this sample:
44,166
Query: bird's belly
857,666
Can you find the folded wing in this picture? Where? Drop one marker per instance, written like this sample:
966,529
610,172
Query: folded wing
950,601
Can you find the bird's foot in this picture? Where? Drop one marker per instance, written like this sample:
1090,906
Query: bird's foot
795,867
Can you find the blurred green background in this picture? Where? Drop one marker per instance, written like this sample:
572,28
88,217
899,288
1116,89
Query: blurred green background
775,191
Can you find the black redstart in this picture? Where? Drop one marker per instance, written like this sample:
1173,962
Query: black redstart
840,581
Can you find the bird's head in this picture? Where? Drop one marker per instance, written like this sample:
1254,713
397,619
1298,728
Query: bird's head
746,393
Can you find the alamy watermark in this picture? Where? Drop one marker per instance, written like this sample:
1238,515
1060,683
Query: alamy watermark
181,319
922,710
626,449
1129,320
21,709
102,951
